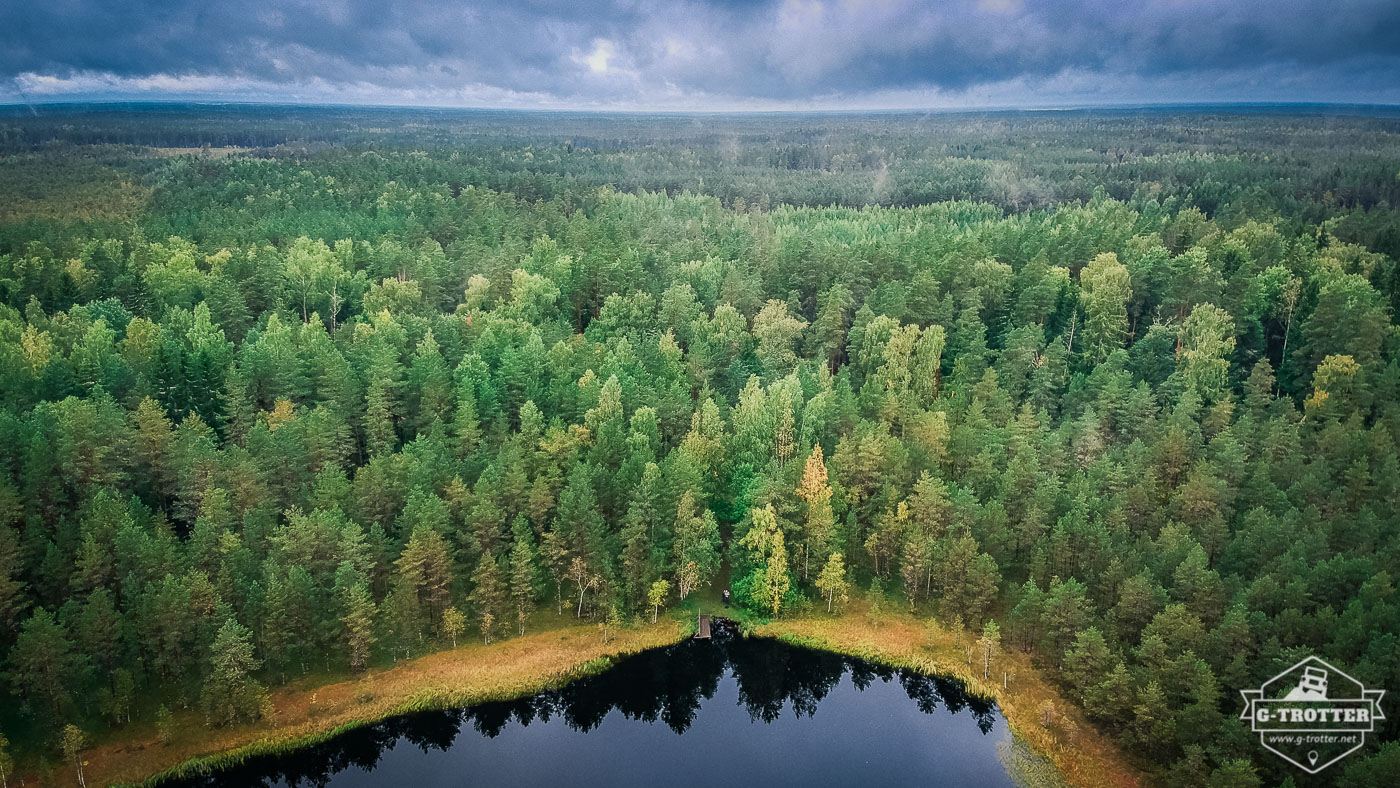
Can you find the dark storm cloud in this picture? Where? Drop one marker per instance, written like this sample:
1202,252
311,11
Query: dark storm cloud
643,52
290,41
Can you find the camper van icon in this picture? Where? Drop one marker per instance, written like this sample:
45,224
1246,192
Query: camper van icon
1312,686
1313,714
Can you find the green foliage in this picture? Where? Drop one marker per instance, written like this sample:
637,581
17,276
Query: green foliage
453,624
356,400
770,580
488,597
43,667
7,762
230,694
165,724
656,595
832,581
72,741
358,622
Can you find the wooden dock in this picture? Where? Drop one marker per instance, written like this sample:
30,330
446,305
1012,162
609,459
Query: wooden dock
703,633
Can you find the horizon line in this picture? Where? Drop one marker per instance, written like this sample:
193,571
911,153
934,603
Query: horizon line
292,104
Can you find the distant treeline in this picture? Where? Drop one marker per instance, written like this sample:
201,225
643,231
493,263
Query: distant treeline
1246,159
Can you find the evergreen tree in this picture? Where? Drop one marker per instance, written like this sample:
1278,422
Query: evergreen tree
43,667
1167,423
12,589
358,622
990,645
1106,296
425,568
230,693
488,597
524,571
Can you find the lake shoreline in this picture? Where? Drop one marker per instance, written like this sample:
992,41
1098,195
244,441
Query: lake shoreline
507,670
1083,755
307,715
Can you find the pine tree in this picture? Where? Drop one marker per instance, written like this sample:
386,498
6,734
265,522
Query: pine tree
488,596
966,578
1105,294
638,557
556,559
990,643
1088,662
429,387
230,693
358,623
828,333
402,618
426,568
1112,699
524,573
382,403
12,588
466,426
151,448
1152,723
43,666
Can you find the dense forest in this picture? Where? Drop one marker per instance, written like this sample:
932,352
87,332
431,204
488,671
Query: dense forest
1121,390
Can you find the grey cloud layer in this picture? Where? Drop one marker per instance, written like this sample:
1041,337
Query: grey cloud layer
781,50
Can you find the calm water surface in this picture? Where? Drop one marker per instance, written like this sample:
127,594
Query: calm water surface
730,711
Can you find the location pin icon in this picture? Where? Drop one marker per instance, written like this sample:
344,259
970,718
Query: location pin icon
1312,757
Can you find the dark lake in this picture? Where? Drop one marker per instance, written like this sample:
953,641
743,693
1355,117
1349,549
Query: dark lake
727,711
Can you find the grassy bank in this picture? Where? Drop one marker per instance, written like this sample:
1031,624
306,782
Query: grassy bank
1084,756
312,711
306,715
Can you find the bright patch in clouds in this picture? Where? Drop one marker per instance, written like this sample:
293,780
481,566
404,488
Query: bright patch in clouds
597,60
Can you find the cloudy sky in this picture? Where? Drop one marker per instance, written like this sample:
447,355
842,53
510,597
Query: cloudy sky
703,54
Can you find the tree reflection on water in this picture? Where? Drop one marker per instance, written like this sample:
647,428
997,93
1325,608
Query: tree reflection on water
667,685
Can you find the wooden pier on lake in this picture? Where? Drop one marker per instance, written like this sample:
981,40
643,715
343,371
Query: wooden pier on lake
703,632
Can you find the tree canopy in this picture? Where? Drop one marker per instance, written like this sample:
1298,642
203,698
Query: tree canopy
328,405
